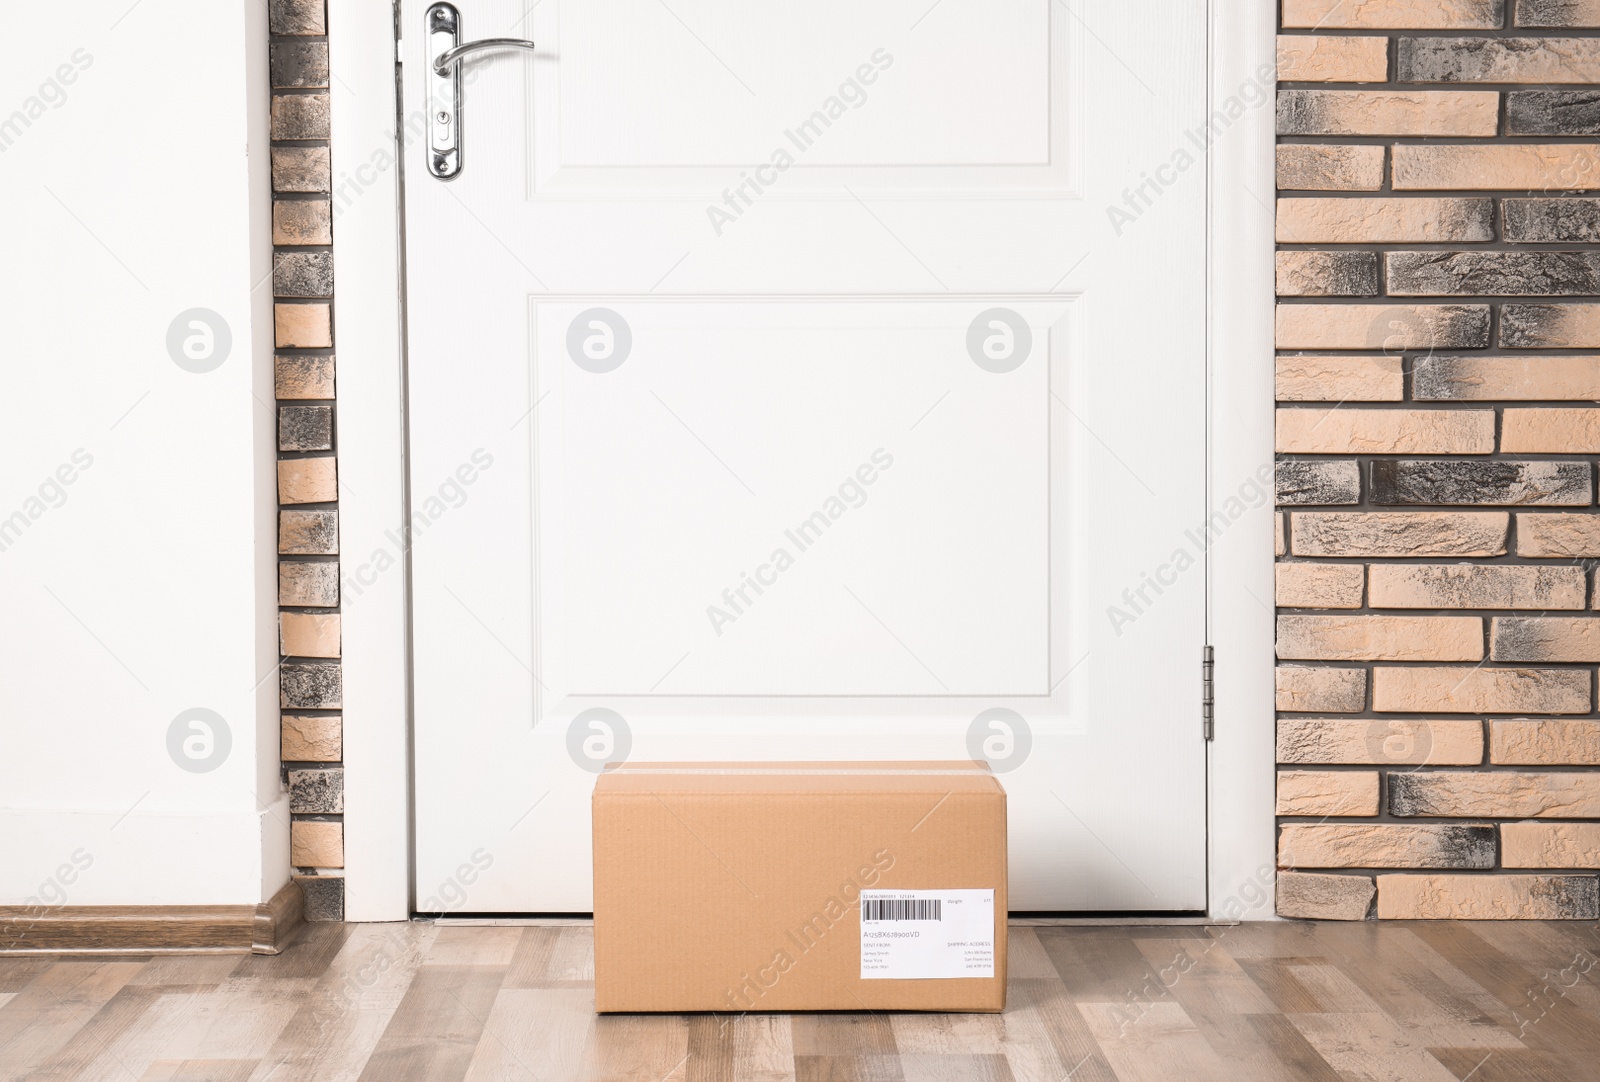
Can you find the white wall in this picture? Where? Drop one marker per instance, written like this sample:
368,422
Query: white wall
146,586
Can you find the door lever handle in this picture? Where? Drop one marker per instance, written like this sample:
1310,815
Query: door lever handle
445,50
442,62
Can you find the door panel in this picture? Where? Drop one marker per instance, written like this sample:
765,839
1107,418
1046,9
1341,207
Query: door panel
782,385
759,580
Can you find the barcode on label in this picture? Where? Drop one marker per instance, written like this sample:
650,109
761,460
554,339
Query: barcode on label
900,909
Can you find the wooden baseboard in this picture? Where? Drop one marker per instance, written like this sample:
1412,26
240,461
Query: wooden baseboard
155,929
279,921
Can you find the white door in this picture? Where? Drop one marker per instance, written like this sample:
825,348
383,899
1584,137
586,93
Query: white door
810,381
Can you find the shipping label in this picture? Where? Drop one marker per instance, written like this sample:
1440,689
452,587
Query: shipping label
927,934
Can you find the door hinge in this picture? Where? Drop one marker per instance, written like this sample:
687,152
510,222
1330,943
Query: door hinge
1208,697
399,51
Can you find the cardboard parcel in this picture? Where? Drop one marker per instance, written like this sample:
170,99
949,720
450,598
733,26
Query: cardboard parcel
799,887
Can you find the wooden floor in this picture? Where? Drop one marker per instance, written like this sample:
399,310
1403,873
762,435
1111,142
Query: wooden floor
1403,1002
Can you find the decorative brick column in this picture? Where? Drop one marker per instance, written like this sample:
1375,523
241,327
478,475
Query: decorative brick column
310,683
1438,276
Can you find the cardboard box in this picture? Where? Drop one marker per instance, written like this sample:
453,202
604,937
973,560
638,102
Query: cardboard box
743,887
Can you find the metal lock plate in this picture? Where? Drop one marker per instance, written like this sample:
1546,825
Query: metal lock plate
442,32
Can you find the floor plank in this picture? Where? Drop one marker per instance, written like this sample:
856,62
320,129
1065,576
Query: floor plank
573,956
1293,1054
87,1053
188,973
17,970
948,1034
639,1048
1070,1039
710,1057
438,1025
200,1070
1370,1047
1386,974
164,1031
1557,968
542,1033
45,1015
847,1069
1400,980
1275,979
955,1067
1524,1065
1539,1019
763,1046
474,947
1225,1004
1459,984
1030,1054
1163,1043
1098,969
336,1029
1025,955
530,961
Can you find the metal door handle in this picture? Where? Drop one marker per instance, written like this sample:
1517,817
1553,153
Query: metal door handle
441,63
441,25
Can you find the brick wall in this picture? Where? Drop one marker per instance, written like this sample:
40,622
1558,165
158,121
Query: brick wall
310,684
1438,317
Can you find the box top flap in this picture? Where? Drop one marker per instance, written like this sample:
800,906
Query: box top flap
799,777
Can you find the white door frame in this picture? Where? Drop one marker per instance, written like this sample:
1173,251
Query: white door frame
377,662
